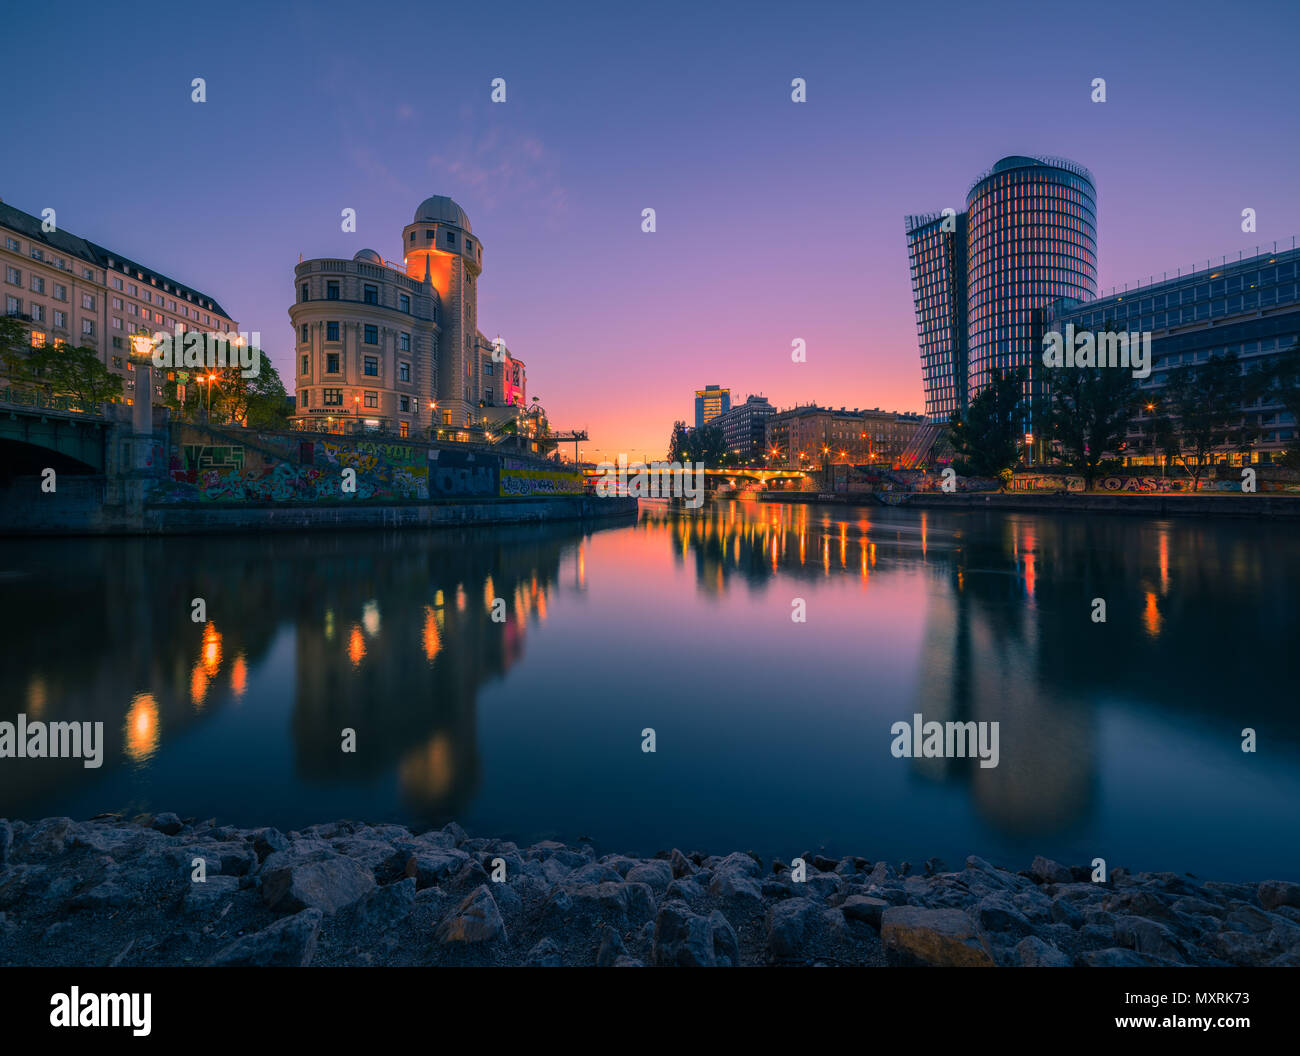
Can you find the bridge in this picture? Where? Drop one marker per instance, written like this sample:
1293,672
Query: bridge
39,431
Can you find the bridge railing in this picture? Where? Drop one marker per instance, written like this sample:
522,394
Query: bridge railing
42,400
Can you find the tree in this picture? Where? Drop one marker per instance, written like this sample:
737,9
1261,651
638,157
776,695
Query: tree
77,372
1088,414
1284,388
1203,405
679,443
708,445
258,402
15,350
986,441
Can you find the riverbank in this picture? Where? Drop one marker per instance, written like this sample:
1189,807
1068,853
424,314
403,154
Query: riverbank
113,892
81,510
1269,506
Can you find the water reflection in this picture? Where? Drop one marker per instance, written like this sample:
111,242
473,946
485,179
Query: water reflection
493,676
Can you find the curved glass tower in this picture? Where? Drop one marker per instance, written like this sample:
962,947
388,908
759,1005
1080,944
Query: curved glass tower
1031,239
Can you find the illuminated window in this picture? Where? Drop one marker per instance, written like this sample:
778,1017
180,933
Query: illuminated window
38,339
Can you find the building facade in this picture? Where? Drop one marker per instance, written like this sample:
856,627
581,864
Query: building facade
937,251
806,437
1028,237
396,347
744,427
1250,306
711,401
71,291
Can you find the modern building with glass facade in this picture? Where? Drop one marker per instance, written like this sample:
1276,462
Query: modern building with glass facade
1250,306
937,249
711,401
1028,237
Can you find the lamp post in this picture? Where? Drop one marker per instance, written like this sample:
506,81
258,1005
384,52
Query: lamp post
141,356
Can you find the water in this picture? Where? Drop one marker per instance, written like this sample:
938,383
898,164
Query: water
1119,740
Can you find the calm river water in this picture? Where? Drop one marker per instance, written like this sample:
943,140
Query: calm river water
1120,740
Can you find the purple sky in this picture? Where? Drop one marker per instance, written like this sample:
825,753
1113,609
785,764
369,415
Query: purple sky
775,220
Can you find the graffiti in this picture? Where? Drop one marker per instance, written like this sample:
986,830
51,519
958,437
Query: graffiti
1045,482
540,482
201,456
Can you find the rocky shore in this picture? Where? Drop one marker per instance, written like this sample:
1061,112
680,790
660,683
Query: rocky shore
115,892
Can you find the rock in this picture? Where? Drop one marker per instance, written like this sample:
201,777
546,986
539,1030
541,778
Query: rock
387,906
108,895
621,903
823,864
45,839
741,863
433,866
546,954
611,947
738,887
1033,952
1047,871
1064,912
455,832
206,898
997,913
595,873
680,865
628,962
792,928
865,909
1114,957
167,824
935,865
1272,893
944,937
288,943
6,840
686,940
685,889
327,883
267,841
476,919
657,874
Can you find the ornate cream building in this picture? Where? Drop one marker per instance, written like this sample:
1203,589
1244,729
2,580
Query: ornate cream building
390,347
69,290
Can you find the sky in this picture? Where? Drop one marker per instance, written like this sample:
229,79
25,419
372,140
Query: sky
775,220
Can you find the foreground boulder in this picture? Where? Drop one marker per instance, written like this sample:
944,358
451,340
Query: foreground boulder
938,937
326,883
476,919
288,943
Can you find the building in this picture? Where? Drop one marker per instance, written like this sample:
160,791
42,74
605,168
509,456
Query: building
937,250
806,437
1027,237
396,347
744,427
69,290
711,401
1250,306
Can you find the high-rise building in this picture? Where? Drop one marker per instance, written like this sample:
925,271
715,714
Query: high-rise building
744,427
1250,307
1027,237
69,290
711,401
937,248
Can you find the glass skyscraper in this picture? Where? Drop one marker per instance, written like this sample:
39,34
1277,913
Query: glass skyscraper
1028,237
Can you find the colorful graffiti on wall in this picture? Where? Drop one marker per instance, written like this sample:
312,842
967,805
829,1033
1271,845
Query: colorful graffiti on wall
518,478
270,469
1050,482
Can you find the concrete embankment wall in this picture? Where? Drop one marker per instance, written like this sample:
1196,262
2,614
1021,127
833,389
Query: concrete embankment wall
1093,502
78,507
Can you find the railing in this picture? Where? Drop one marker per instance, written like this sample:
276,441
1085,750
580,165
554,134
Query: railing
43,401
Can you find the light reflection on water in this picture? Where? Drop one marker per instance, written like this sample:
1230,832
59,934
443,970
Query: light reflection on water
1118,739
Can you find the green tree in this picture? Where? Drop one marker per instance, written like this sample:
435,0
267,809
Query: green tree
259,402
708,445
77,372
15,351
1284,388
1088,414
986,441
1203,411
679,443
